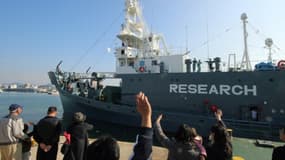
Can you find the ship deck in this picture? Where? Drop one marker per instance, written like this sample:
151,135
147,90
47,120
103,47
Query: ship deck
247,149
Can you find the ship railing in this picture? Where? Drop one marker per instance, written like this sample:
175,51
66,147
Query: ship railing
74,75
251,129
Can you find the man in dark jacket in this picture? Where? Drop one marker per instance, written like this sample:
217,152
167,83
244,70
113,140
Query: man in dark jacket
47,133
279,152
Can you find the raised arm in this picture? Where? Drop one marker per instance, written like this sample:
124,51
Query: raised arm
162,138
144,109
218,116
143,147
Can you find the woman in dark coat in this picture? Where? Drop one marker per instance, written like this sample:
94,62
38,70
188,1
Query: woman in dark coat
79,135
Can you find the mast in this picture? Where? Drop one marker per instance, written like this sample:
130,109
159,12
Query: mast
269,43
134,28
245,64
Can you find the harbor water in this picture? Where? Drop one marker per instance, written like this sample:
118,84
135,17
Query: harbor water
36,105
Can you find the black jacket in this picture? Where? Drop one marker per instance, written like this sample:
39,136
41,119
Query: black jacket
48,130
278,153
27,143
79,139
216,152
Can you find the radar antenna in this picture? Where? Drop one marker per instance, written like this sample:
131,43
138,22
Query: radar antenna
245,63
269,43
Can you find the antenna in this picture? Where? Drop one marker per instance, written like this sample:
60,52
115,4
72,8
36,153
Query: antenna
208,46
186,38
245,58
88,69
269,43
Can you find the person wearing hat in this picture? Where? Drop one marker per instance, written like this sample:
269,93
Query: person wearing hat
47,133
11,131
79,135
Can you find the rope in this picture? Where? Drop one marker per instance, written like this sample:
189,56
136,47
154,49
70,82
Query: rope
213,39
258,32
103,34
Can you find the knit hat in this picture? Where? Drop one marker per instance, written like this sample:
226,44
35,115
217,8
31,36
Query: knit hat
79,117
14,107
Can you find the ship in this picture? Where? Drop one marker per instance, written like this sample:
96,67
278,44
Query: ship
251,99
26,88
20,90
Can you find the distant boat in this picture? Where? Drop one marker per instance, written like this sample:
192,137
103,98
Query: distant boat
19,90
1,90
53,92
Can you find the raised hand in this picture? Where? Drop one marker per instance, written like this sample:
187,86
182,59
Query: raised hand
159,118
144,108
219,115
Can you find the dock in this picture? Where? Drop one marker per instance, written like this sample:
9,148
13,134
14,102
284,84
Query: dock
242,147
126,149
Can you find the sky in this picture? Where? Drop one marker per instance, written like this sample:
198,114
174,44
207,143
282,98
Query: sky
36,34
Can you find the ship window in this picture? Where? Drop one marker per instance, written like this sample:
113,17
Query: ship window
131,63
271,79
140,79
131,80
273,111
154,63
122,51
254,115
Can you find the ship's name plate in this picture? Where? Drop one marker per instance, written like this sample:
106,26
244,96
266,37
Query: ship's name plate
222,89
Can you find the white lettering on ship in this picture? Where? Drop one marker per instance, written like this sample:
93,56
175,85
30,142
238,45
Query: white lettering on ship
223,89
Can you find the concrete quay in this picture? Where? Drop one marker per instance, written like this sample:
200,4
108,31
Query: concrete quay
159,153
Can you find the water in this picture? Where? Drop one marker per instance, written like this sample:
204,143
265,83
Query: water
35,104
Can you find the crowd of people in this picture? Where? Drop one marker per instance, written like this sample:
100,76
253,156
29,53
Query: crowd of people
187,144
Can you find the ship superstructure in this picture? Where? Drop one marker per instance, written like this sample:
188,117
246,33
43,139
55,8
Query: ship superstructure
142,51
